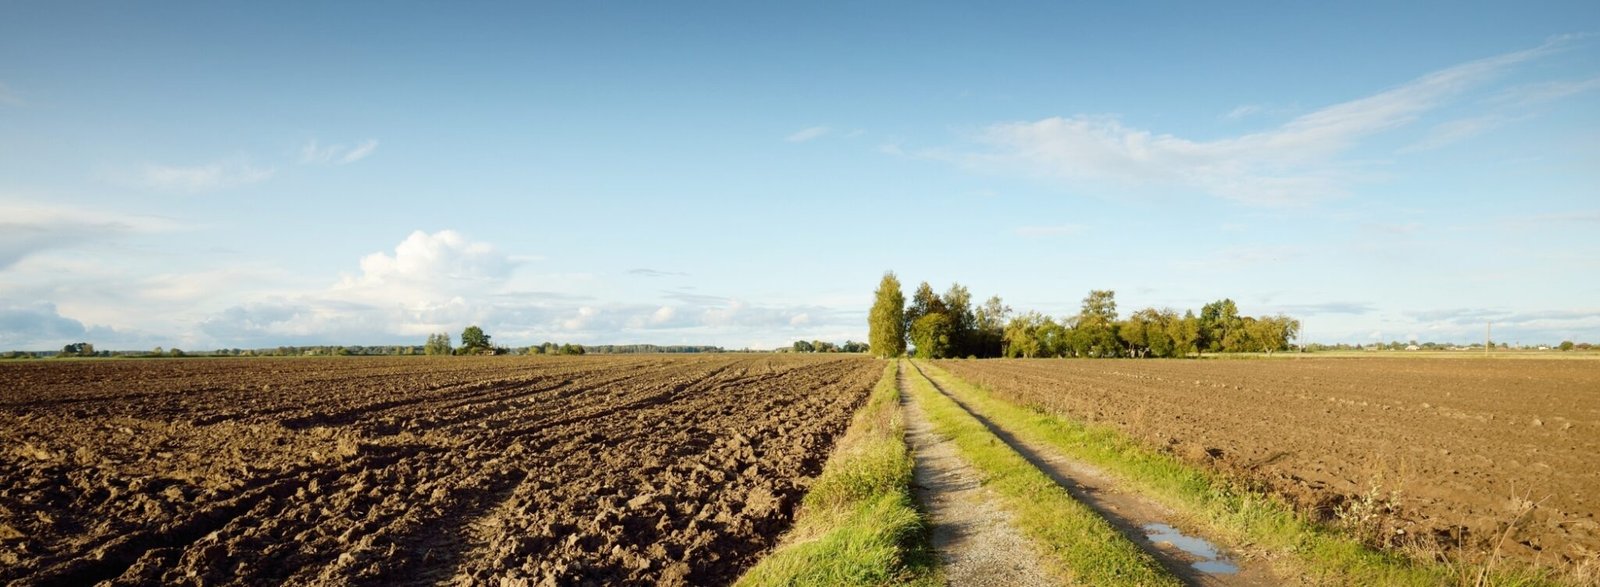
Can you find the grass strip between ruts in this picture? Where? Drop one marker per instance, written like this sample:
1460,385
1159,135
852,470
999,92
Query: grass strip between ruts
858,524
1233,515
1074,541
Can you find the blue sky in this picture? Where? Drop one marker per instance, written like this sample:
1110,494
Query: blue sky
212,175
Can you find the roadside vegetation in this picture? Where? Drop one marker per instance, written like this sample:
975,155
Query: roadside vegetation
1235,515
1075,541
858,524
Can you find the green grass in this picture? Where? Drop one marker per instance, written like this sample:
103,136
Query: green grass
1233,515
1076,542
858,524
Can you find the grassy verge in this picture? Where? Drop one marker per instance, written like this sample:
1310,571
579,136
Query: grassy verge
858,524
1233,515
1077,543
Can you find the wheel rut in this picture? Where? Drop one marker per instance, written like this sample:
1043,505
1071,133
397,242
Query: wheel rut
1150,525
971,533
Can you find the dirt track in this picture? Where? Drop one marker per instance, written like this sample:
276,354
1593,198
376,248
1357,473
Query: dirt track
1453,447
410,471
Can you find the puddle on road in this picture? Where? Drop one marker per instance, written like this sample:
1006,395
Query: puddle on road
1211,562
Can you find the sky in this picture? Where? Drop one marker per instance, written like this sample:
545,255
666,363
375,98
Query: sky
226,174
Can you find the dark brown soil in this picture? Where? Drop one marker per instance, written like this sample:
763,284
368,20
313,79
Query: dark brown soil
1442,453
501,470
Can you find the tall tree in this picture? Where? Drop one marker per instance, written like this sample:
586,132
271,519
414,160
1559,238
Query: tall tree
438,344
958,305
1097,323
1022,337
932,334
886,323
923,302
473,340
990,321
1217,320
1140,331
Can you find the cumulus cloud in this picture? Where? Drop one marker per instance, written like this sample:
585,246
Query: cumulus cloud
1293,163
27,324
315,153
424,265
808,134
202,178
429,282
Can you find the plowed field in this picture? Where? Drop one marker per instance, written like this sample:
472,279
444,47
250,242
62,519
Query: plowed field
1445,451
408,471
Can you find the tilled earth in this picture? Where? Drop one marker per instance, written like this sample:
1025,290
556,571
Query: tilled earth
410,471
1445,454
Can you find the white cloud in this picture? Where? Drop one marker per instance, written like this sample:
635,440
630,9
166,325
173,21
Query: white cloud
1455,131
1290,164
428,269
27,228
1540,93
584,316
429,282
1240,258
202,178
315,153
808,134
1243,112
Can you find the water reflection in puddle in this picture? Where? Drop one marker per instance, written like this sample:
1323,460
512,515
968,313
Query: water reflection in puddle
1210,562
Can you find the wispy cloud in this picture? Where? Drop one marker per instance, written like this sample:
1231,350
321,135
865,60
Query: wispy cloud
1294,163
1050,230
27,228
807,134
1238,258
315,153
1479,316
647,272
9,97
202,178
1356,308
1455,131
1243,112
1540,93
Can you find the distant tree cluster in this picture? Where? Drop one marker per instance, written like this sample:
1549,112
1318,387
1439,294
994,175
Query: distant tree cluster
948,325
819,346
438,344
626,349
1097,331
550,348
77,349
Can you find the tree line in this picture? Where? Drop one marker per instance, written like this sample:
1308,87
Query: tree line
951,325
822,346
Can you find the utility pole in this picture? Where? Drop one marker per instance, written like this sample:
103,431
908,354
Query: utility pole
1487,339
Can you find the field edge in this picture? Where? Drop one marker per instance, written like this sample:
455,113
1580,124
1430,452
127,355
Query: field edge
858,524
1242,517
